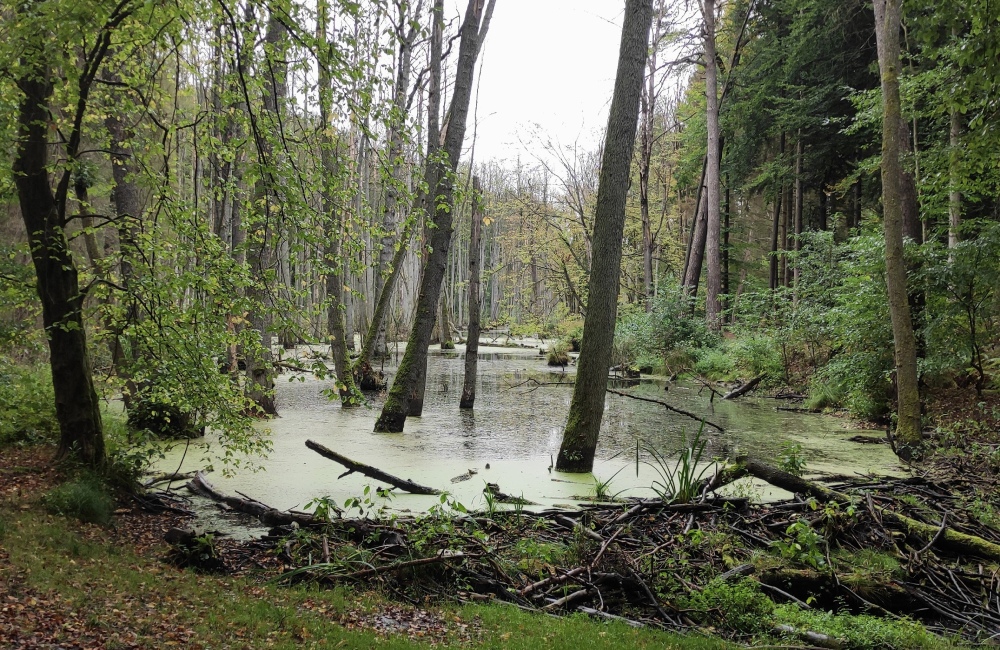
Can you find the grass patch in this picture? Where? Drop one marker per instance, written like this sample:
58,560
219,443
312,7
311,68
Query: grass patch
84,497
126,600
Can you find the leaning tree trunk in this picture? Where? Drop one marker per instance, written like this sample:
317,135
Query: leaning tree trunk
433,170
579,444
397,169
887,26
475,304
397,404
44,215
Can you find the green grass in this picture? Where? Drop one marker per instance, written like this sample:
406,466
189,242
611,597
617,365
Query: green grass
116,591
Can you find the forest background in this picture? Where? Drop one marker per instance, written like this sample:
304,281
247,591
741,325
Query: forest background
198,178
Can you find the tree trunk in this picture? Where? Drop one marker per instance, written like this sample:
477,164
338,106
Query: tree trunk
44,215
409,375
713,251
776,227
586,411
333,222
954,194
797,244
887,26
475,304
696,242
397,169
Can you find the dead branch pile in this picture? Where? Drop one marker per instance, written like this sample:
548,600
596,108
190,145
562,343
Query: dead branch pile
640,561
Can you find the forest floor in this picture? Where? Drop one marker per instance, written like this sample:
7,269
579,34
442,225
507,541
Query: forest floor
65,584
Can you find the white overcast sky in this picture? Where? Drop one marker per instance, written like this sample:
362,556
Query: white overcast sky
546,62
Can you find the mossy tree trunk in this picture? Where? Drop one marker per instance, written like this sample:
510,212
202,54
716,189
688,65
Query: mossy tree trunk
586,411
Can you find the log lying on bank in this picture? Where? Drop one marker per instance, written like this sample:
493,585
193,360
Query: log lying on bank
745,388
939,535
268,515
372,472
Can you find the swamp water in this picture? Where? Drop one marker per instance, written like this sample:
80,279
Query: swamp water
515,428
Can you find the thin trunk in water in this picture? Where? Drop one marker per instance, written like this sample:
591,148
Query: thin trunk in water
409,378
475,305
333,220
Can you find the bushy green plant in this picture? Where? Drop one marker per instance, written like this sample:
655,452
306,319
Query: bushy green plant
715,363
737,606
860,631
27,405
804,545
558,354
85,497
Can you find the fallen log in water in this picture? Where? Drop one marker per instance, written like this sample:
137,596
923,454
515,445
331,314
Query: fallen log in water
268,515
745,388
372,472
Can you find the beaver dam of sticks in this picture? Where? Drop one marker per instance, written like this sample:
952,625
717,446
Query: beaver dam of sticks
885,548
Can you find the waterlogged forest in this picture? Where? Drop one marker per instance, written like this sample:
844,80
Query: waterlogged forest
722,373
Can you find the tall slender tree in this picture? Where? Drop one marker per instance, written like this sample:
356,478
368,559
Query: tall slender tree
579,444
887,28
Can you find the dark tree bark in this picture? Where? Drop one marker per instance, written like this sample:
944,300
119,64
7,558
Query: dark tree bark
44,214
261,239
696,241
775,227
579,443
406,33
475,304
409,375
887,27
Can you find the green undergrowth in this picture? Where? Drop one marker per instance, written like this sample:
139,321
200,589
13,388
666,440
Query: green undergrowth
743,609
27,405
128,596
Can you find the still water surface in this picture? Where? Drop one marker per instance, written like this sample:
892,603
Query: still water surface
515,428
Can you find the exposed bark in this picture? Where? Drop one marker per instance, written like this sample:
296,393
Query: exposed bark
576,454
475,303
887,26
369,471
261,239
745,388
432,175
268,515
797,244
409,378
961,543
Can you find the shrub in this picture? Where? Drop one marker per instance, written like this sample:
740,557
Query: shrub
27,404
85,498
738,606
558,354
